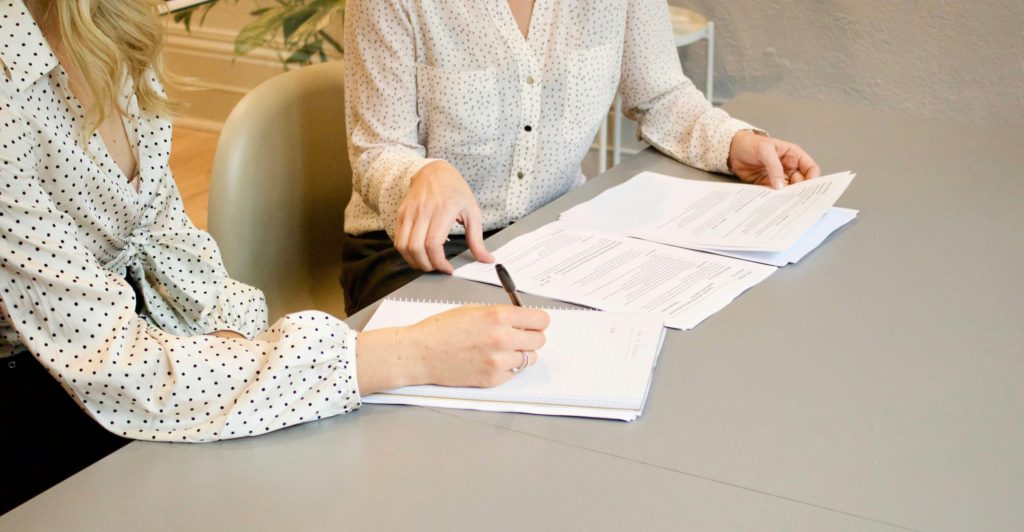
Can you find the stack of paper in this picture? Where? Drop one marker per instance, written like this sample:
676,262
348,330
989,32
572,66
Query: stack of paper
833,219
774,226
594,364
625,250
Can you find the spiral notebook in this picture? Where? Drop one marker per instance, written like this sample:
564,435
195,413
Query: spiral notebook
593,364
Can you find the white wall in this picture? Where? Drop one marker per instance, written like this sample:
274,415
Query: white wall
946,58
950,58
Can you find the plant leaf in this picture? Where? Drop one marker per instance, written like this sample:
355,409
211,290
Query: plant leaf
295,20
294,27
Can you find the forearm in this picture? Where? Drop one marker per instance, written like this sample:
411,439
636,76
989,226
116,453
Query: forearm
385,361
153,386
684,126
383,139
674,116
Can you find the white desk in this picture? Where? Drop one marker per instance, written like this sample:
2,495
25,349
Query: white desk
876,385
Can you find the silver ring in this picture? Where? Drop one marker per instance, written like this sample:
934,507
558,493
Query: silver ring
526,362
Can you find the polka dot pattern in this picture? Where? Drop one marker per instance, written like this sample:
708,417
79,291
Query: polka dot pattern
113,289
430,80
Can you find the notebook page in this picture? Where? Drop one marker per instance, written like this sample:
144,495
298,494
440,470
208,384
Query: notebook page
591,359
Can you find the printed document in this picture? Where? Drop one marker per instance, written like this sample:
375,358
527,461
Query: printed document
609,271
835,218
710,214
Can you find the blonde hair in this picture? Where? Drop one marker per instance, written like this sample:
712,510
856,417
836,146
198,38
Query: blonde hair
113,42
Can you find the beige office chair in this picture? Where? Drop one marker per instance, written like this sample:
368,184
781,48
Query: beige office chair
281,180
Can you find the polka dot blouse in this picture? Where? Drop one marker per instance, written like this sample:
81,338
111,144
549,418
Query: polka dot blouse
427,80
112,289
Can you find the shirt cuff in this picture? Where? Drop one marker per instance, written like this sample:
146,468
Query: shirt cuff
348,358
398,189
723,141
238,308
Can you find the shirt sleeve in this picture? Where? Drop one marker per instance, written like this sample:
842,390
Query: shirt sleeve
674,116
181,277
78,320
380,104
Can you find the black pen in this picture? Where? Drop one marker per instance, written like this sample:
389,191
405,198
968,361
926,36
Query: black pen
507,284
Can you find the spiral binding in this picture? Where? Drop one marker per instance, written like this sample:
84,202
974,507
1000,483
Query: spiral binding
459,303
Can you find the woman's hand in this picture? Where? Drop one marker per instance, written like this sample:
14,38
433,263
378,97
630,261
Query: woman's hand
771,162
438,197
467,346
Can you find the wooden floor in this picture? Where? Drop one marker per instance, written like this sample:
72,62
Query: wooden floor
191,162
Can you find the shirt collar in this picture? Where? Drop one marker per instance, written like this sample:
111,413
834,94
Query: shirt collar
24,50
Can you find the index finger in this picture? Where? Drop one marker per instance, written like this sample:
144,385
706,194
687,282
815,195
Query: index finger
773,166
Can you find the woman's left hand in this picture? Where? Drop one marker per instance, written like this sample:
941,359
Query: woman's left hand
762,160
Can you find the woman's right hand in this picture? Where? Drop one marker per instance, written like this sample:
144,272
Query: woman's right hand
438,197
473,346
468,346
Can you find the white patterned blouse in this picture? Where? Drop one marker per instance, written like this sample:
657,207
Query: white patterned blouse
450,80
112,289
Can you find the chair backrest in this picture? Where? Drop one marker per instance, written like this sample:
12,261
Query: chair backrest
281,180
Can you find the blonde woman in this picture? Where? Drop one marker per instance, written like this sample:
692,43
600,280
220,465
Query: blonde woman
109,290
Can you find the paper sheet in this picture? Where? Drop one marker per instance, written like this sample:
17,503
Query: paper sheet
593,364
709,214
612,272
835,218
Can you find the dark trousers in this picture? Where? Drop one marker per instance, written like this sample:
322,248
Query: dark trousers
44,436
372,268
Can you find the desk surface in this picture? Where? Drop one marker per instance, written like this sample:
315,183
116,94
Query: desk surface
876,385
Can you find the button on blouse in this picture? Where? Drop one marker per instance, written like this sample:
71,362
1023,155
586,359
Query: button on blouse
112,289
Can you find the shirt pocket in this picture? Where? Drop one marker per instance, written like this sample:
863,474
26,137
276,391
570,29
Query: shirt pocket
592,77
459,110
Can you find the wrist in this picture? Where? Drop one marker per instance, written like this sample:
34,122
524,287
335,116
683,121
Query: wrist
385,360
431,169
736,144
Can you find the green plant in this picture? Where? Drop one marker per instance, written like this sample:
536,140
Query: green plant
296,28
